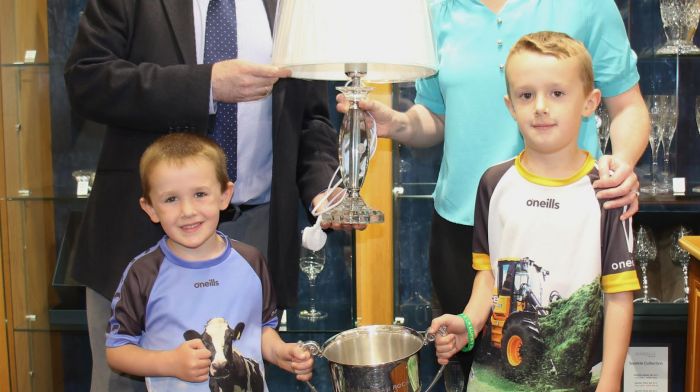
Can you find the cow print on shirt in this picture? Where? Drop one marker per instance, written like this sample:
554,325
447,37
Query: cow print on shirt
229,370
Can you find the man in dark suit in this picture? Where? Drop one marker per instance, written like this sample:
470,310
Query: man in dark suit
136,66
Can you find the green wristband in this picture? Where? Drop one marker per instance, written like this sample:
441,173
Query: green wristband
470,332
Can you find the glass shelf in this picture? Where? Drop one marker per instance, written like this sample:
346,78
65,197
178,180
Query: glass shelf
59,198
24,65
336,322
688,203
666,317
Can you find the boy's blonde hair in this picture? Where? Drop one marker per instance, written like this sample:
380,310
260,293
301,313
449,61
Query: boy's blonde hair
559,45
177,148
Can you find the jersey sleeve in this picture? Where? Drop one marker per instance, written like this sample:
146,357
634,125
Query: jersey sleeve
480,246
259,265
614,61
127,322
619,273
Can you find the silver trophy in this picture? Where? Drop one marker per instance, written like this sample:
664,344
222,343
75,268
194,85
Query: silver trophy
644,253
680,256
602,121
680,20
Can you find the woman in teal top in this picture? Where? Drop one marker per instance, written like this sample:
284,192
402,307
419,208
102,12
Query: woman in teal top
463,105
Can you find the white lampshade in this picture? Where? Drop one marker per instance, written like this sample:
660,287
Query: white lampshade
317,38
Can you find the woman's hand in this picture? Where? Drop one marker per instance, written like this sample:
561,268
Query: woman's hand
384,116
618,185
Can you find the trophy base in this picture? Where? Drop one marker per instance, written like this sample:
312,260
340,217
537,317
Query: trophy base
352,210
312,315
681,48
646,300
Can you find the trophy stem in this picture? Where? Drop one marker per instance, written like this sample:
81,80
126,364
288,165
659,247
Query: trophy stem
645,286
357,140
686,289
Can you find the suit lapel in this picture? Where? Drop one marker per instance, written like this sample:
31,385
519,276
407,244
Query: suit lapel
279,90
181,19
271,9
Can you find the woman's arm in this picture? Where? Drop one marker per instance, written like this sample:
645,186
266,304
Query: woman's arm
629,126
417,127
629,133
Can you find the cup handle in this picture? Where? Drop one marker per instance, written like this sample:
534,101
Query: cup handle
311,386
430,337
314,349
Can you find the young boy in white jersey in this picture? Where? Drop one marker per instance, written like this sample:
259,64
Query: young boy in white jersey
196,312
554,271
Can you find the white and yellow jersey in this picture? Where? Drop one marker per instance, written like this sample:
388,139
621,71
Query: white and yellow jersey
558,249
558,223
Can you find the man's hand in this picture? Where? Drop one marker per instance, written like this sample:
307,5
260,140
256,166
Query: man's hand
619,184
240,81
320,203
190,361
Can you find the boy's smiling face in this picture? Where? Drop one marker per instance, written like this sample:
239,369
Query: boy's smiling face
547,100
186,198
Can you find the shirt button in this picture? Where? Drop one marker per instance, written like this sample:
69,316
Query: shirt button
500,67
499,21
499,43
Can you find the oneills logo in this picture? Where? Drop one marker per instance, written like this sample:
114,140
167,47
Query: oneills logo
549,203
210,283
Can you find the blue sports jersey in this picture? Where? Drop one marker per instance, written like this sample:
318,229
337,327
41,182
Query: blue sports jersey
161,297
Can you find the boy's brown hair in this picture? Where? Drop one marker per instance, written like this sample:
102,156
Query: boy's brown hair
559,45
177,148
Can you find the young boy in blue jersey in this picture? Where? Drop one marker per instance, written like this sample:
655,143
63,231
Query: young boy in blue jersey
554,274
197,306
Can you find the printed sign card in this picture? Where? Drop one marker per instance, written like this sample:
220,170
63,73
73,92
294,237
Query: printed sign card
646,369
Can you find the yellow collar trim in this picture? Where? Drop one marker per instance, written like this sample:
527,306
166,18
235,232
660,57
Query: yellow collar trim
588,164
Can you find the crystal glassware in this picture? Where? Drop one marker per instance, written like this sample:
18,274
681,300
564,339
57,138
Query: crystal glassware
680,256
602,120
669,124
697,120
689,24
656,110
680,20
357,142
312,263
454,376
644,253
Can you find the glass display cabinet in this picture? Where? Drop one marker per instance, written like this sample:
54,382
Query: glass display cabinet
662,214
